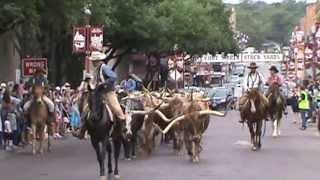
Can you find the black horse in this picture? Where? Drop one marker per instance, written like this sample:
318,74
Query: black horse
104,130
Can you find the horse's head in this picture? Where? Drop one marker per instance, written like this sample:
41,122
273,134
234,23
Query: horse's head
275,97
254,99
38,91
254,95
95,103
274,91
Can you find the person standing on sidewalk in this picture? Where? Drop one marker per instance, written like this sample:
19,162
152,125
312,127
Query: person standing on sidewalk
1,132
294,105
304,106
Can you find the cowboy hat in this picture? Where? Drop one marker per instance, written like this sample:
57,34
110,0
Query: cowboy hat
274,68
97,56
253,65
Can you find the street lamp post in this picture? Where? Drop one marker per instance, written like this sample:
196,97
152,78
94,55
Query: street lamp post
87,13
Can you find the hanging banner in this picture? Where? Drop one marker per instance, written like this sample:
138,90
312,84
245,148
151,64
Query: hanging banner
95,38
79,39
30,65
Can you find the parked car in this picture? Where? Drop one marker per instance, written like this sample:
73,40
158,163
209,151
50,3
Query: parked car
236,80
220,97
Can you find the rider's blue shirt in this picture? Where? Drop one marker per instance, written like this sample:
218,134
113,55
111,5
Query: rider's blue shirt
109,75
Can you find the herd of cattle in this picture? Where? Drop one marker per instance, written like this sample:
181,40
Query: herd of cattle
179,117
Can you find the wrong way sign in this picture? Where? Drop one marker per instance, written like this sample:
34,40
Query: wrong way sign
30,65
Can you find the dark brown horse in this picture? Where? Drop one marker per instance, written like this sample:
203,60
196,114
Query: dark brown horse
254,112
39,118
276,108
104,131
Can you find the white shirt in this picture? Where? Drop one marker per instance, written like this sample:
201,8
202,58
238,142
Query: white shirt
7,126
255,80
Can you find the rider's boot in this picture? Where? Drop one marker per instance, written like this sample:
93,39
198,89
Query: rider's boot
81,132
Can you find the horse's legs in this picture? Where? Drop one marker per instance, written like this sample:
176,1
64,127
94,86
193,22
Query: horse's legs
133,145
100,148
41,138
34,138
252,134
275,128
279,125
117,146
258,133
126,147
109,150
49,142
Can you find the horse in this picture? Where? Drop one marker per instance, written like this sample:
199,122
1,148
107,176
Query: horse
254,113
276,108
39,117
104,131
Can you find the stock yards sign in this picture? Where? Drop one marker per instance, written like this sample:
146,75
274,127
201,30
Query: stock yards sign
30,65
255,57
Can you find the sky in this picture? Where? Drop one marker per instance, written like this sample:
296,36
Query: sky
267,1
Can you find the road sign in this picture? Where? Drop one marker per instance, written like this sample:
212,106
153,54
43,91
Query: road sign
30,65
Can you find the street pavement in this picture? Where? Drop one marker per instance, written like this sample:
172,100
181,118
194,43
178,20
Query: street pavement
226,156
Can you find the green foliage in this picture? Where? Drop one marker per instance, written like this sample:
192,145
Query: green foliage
269,22
156,26
44,27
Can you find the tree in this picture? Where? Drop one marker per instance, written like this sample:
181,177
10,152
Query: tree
152,27
269,22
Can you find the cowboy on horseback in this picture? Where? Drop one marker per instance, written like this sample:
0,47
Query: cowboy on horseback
105,77
275,80
253,81
39,82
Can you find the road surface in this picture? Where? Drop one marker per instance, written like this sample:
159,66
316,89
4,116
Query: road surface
226,156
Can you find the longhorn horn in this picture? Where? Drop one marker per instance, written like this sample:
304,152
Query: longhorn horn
147,112
182,117
149,85
145,89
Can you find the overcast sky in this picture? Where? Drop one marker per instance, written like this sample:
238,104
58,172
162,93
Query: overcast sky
268,1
